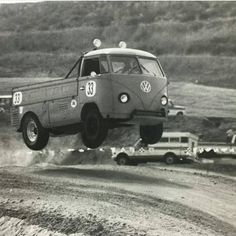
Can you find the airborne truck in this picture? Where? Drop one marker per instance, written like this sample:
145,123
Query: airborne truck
106,88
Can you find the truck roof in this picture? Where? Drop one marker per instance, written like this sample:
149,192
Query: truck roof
179,134
120,51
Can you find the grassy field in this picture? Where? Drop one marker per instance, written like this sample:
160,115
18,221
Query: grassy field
205,69
203,100
194,40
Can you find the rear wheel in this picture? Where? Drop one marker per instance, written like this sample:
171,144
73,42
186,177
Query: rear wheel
34,135
180,114
151,134
94,129
170,159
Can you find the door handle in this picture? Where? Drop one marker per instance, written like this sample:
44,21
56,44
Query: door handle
82,88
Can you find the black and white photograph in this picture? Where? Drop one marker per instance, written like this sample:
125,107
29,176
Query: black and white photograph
117,118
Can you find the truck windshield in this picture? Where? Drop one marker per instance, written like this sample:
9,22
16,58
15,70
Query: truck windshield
125,65
150,67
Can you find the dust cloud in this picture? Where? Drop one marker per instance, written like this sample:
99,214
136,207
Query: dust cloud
67,150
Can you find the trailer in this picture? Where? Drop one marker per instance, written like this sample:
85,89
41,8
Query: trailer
220,149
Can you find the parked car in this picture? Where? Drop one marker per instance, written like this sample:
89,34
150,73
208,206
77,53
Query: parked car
172,147
175,110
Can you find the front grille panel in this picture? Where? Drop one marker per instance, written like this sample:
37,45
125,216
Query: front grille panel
15,119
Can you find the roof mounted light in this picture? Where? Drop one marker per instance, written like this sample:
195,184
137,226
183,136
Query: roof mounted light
122,44
97,43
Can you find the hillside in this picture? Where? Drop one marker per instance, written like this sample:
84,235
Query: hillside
195,41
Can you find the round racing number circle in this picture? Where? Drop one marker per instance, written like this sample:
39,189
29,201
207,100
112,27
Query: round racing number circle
90,88
17,98
73,103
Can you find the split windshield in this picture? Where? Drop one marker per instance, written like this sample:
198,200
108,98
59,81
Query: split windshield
150,67
125,65
130,65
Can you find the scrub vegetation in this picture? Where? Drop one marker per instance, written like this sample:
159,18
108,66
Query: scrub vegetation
195,41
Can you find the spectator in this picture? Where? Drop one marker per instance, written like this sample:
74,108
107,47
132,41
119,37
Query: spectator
229,136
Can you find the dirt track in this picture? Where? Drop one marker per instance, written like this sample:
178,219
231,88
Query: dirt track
113,200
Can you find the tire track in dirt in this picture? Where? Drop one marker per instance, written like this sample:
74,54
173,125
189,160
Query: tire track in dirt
112,195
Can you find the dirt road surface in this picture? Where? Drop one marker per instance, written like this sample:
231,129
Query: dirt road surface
115,200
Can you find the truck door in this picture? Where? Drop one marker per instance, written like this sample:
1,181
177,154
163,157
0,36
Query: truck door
95,85
63,106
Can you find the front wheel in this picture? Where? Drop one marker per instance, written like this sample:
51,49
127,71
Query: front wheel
34,135
151,134
94,129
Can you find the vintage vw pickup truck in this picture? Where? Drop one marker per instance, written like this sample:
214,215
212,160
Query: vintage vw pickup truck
106,88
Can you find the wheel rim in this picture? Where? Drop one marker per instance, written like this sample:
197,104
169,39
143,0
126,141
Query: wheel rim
122,161
32,131
169,160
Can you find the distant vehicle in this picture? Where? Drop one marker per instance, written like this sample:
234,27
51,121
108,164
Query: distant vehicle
5,101
217,149
172,147
175,110
106,88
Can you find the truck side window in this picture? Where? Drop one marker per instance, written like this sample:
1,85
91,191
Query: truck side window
164,140
103,65
184,139
174,140
91,64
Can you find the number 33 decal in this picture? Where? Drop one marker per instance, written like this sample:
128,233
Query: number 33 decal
90,88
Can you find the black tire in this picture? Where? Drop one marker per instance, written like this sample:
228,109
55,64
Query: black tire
170,159
34,135
94,129
151,134
122,160
180,114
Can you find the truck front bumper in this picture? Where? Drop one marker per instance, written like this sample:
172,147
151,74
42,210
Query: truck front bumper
149,117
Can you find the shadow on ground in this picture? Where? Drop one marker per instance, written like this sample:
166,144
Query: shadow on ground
108,176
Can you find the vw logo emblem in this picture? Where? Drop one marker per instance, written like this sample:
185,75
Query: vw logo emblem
145,86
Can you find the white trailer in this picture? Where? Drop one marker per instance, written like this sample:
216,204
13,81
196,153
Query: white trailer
210,149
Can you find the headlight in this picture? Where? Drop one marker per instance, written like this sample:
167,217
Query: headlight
123,97
164,100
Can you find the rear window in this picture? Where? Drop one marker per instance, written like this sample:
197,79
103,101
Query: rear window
184,139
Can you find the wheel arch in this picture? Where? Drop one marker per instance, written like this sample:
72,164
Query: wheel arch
86,107
170,154
28,113
180,113
122,154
